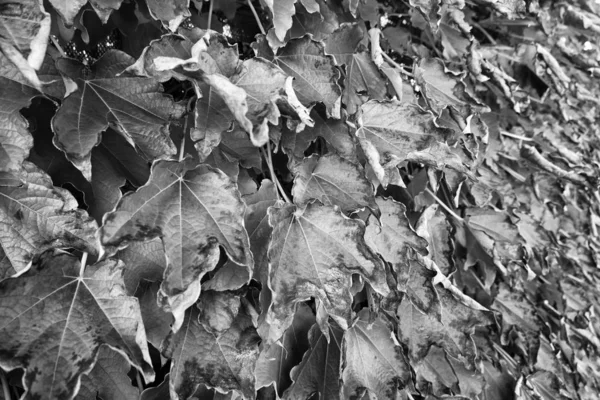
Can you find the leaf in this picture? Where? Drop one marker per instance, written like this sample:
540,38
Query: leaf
218,310
132,106
453,332
277,360
314,71
228,277
335,132
157,322
372,360
170,13
319,371
313,253
224,362
435,228
143,261
56,316
193,210
160,392
36,216
403,132
68,9
108,379
333,181
282,16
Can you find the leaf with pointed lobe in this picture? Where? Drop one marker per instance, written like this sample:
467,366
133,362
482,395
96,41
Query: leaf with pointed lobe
144,261
333,181
276,361
108,379
313,253
56,316
134,107
314,71
319,371
36,216
372,360
403,132
157,322
194,210
224,362
171,13
435,228
451,330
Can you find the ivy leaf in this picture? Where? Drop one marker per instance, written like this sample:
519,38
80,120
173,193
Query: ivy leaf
36,216
403,132
134,107
314,72
335,132
277,360
373,360
452,330
58,314
313,253
193,210
333,181
108,379
171,13
435,228
224,362
319,371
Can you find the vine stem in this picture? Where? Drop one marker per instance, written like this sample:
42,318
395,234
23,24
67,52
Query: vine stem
444,206
395,64
83,263
5,386
210,13
262,29
269,160
139,381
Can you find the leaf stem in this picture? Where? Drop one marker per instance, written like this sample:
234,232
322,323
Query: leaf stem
269,161
210,13
139,381
83,263
5,385
58,46
262,29
444,206
396,65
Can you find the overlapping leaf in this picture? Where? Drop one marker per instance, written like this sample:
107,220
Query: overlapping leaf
308,258
194,210
36,216
56,316
134,107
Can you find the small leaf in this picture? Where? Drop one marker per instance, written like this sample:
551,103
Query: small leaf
218,310
68,9
313,253
435,228
193,210
373,360
56,316
36,216
171,13
282,11
108,379
333,181
319,371
224,362
134,107
143,261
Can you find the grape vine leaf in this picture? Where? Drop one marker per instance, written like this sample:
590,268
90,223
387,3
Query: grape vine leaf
36,216
276,361
108,379
319,371
132,106
194,209
373,360
313,253
224,362
57,315
170,13
391,132
314,71
451,330
333,181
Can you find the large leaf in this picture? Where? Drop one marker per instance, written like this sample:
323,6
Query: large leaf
56,316
193,210
36,216
314,72
334,181
373,360
319,371
224,362
108,379
134,107
403,132
313,254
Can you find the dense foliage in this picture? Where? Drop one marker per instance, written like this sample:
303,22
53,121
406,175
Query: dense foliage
334,199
